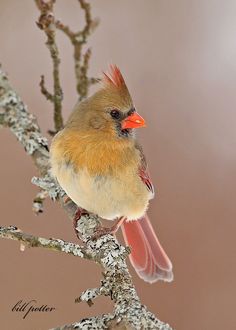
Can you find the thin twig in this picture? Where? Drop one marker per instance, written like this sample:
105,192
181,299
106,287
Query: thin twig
78,40
44,90
88,19
46,22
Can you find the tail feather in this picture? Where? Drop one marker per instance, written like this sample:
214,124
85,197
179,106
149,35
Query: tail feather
147,255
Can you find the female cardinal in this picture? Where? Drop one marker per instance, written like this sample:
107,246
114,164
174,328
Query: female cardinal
100,165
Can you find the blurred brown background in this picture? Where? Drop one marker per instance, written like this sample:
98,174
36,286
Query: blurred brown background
179,60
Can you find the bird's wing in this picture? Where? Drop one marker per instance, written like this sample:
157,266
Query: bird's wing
143,170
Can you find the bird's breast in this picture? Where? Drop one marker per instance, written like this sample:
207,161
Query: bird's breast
103,181
108,196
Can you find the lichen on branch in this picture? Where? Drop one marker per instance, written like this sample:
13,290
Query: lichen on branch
116,283
29,240
23,124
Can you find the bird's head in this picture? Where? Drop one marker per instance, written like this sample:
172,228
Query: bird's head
110,109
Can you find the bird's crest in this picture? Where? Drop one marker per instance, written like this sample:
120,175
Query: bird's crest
114,77
114,82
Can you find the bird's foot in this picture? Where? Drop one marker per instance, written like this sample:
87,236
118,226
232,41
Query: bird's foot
79,213
111,230
102,231
66,199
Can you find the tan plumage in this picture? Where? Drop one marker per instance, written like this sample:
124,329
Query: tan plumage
96,158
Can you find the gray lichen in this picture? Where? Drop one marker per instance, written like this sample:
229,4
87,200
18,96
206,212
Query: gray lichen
47,183
60,245
20,121
117,283
89,295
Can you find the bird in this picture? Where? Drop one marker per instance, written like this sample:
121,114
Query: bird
101,166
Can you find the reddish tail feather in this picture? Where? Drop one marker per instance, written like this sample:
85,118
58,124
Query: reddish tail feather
147,255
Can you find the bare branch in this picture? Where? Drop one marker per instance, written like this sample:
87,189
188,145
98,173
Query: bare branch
88,19
44,90
46,23
78,40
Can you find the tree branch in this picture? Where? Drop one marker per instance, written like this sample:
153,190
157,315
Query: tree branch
29,240
44,90
23,124
46,22
78,40
117,283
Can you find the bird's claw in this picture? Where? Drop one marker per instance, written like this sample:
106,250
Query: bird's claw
103,231
66,199
79,213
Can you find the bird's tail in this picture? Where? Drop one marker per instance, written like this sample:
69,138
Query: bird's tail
147,255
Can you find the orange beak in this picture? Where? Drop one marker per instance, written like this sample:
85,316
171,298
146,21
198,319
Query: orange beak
133,121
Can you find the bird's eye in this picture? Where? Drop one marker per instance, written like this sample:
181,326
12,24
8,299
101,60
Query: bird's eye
115,114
